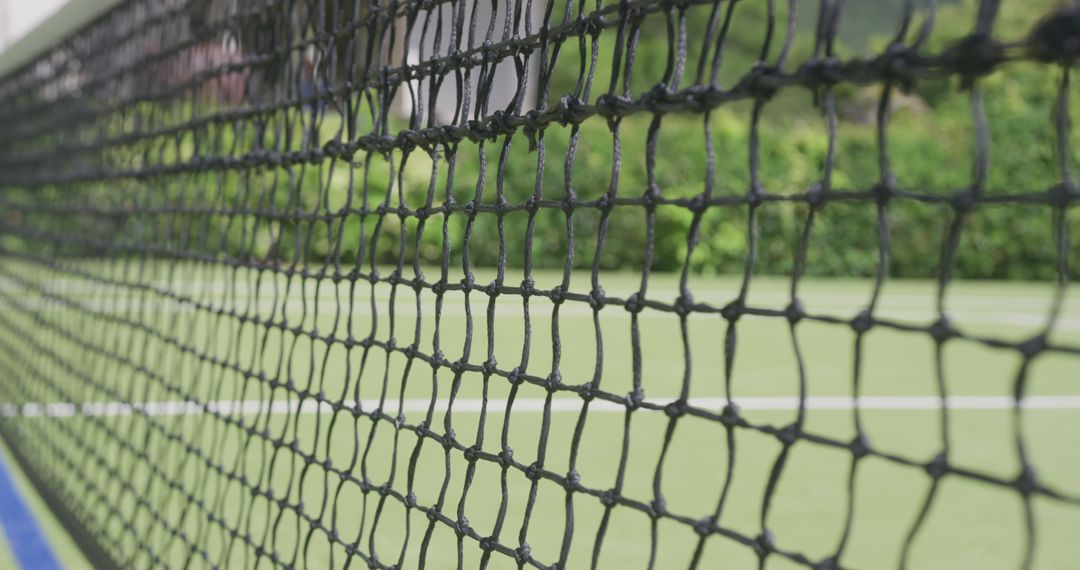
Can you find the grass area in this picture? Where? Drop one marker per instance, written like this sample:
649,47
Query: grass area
971,523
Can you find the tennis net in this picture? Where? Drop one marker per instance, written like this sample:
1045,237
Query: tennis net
418,283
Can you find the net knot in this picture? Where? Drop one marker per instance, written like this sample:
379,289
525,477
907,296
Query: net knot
1026,482
572,110
815,196
823,71
500,123
453,134
883,191
633,400
596,298
942,329
755,195
468,283
762,82
336,148
657,508
487,544
661,99
788,434
461,526
860,446
449,439
651,199
433,136
613,106
553,382
973,57
1033,346
705,97
698,204
522,554
634,303
570,203
899,64
514,378
1056,38
764,544
438,358
938,466
410,500
532,472
609,498
684,304
381,143
863,321
533,126
557,295
477,131
794,312
829,563
1062,195
592,25
733,310
704,527
493,289
573,481
585,391
506,457
676,409
311,157
964,200
489,367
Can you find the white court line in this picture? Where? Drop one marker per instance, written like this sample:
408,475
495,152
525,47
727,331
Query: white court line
391,407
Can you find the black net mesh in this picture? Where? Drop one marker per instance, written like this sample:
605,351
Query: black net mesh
337,283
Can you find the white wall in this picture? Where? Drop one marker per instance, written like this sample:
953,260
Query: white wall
18,17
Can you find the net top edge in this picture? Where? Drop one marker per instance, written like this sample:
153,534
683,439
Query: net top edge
73,16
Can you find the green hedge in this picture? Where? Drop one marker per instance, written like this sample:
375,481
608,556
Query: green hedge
930,149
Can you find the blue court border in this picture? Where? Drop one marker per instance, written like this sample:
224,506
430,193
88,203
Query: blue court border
25,540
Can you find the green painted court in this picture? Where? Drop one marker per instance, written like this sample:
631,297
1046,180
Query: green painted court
899,410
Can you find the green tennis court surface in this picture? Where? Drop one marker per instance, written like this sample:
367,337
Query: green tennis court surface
899,410
276,283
